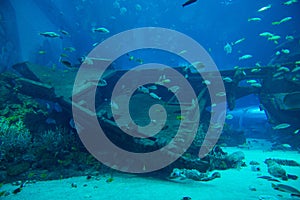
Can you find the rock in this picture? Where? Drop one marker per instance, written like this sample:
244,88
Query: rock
276,170
235,159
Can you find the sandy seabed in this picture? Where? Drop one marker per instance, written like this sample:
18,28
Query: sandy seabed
234,184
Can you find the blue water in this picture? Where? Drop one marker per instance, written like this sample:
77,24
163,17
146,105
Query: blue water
211,23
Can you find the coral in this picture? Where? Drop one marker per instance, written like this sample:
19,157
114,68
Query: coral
51,140
15,138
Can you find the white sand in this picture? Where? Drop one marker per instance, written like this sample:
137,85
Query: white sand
233,184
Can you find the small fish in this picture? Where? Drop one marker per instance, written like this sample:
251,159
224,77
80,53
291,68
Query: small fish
286,188
274,37
139,60
227,79
221,94
255,70
289,37
207,82
258,85
143,89
182,52
257,64
131,58
153,95
286,146
244,57
283,20
101,30
166,81
297,62
41,52
290,2
229,116
50,34
180,117
239,41
228,48
198,65
285,69
277,74
95,44
297,131
188,2
296,69
286,51
275,23
254,19
266,34
71,49
114,105
286,19
264,177
269,178
277,53
264,8
64,55
281,126
64,32
251,81
66,63
152,87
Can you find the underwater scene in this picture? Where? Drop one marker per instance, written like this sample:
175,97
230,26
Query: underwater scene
166,100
